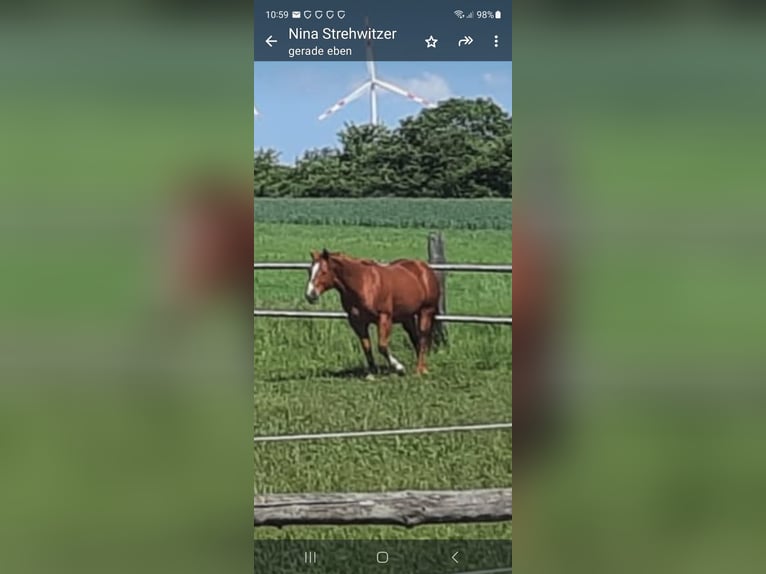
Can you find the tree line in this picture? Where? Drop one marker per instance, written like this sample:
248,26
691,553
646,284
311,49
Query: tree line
459,149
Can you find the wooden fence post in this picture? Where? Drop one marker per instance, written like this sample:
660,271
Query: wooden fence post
436,254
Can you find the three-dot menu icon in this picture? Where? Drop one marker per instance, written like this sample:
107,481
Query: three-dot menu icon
309,557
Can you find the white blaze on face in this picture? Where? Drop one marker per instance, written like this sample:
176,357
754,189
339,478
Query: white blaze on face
311,291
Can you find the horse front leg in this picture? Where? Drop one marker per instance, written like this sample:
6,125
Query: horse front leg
362,330
384,334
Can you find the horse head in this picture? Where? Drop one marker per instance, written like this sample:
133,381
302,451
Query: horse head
321,275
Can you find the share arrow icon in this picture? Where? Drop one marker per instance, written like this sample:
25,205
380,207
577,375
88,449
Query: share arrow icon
466,41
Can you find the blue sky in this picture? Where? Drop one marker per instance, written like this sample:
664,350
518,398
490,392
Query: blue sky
290,96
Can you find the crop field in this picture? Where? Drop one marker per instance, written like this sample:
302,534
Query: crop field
389,212
308,377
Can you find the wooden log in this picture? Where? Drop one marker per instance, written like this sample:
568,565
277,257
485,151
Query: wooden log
407,508
436,254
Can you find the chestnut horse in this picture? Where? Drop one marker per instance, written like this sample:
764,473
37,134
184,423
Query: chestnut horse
404,291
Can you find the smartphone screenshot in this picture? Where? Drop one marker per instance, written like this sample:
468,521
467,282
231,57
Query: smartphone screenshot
382,276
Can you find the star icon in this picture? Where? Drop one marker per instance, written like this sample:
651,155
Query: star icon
431,41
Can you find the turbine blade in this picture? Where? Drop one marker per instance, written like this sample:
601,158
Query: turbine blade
349,98
368,50
255,111
405,93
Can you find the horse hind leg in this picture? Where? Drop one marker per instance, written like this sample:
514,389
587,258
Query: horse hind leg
411,326
425,325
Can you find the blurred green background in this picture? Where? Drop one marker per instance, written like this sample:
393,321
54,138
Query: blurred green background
639,156
125,437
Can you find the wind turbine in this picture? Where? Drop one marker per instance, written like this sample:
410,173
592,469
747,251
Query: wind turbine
373,84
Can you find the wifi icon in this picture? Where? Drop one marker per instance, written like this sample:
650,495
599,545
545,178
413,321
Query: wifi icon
459,14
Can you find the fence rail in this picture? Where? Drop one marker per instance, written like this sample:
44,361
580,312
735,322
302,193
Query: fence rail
406,508
382,432
290,314
469,267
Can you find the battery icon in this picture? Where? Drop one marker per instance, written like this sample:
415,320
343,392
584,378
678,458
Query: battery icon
296,14
498,15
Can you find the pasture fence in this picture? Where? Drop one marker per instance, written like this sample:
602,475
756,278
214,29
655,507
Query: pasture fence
403,508
437,261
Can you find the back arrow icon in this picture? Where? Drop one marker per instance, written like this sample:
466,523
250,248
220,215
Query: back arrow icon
271,41
454,559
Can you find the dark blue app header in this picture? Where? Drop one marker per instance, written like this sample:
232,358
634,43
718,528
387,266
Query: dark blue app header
396,30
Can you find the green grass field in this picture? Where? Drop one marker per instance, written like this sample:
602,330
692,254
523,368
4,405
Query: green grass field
307,379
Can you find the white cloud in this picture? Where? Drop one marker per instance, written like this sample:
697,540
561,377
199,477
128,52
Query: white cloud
496,79
429,86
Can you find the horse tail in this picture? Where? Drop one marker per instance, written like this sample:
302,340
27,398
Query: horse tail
429,281
439,329
439,336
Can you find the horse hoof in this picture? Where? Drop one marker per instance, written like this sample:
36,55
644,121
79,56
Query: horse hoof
370,377
401,372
